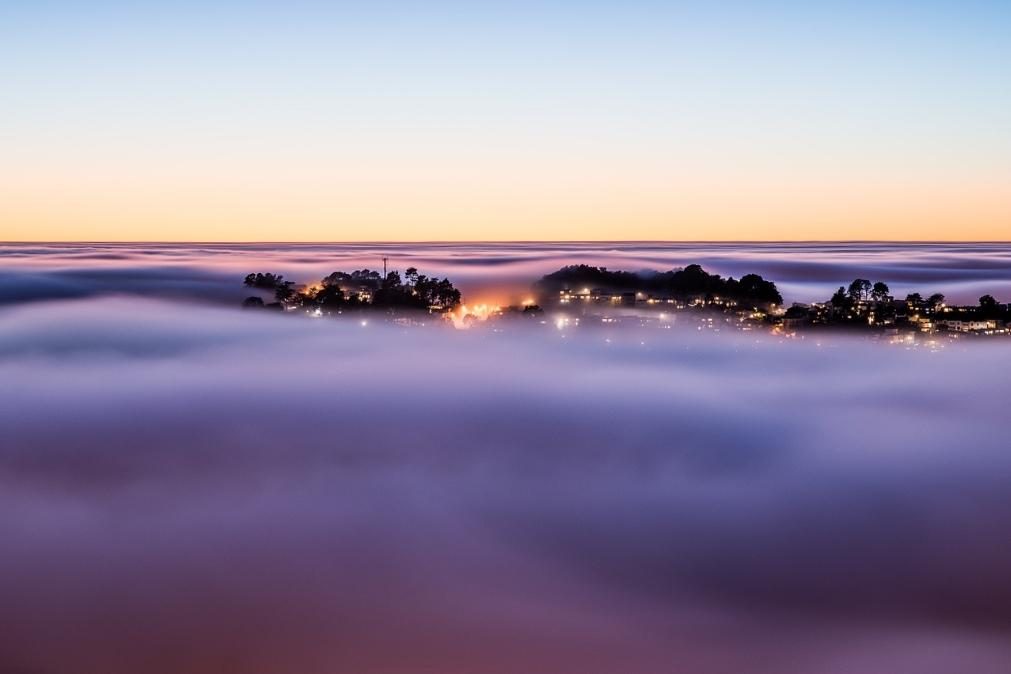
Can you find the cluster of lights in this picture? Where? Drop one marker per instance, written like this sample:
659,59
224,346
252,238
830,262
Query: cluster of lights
465,314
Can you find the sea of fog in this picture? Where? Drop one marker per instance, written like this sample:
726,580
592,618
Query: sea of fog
500,273
189,487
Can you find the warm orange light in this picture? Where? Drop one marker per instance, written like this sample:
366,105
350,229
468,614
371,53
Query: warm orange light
466,315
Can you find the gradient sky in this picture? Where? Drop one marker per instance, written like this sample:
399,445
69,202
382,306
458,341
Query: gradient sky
523,120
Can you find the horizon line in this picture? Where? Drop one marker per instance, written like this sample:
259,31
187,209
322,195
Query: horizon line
392,242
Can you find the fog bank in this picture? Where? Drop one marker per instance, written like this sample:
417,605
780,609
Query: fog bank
201,489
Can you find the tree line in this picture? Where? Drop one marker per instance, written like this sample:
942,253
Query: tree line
359,289
691,282
863,300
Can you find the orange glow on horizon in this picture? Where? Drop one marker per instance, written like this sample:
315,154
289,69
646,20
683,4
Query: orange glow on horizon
544,199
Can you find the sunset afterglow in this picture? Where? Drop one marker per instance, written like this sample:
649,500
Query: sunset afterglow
454,121
444,337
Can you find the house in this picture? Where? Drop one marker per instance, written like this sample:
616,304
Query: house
968,325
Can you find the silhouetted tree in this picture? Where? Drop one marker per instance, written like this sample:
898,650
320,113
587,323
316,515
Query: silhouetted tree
797,311
692,282
840,300
879,293
330,298
269,281
755,289
360,278
989,307
284,291
340,290
859,290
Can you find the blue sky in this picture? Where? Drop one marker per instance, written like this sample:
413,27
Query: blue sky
880,104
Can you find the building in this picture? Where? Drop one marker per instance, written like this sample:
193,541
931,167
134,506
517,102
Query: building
968,325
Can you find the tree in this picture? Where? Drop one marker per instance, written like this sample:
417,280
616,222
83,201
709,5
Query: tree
756,289
689,283
392,280
340,290
445,295
914,300
330,298
797,311
935,301
859,290
988,306
260,280
879,293
357,279
284,291
840,300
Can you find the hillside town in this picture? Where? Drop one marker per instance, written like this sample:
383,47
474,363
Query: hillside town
358,290
585,296
871,307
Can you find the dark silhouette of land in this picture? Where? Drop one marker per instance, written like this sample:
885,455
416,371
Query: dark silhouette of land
690,286
867,305
358,290
747,303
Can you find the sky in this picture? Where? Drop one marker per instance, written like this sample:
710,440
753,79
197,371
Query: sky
427,121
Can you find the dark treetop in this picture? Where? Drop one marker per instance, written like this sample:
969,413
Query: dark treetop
360,289
690,283
865,304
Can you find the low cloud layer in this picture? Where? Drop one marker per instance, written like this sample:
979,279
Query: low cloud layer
200,489
213,272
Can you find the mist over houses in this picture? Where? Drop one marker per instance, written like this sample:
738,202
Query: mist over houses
871,306
358,290
583,295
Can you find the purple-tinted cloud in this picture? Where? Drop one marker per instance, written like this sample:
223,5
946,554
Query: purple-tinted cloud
211,273
188,488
